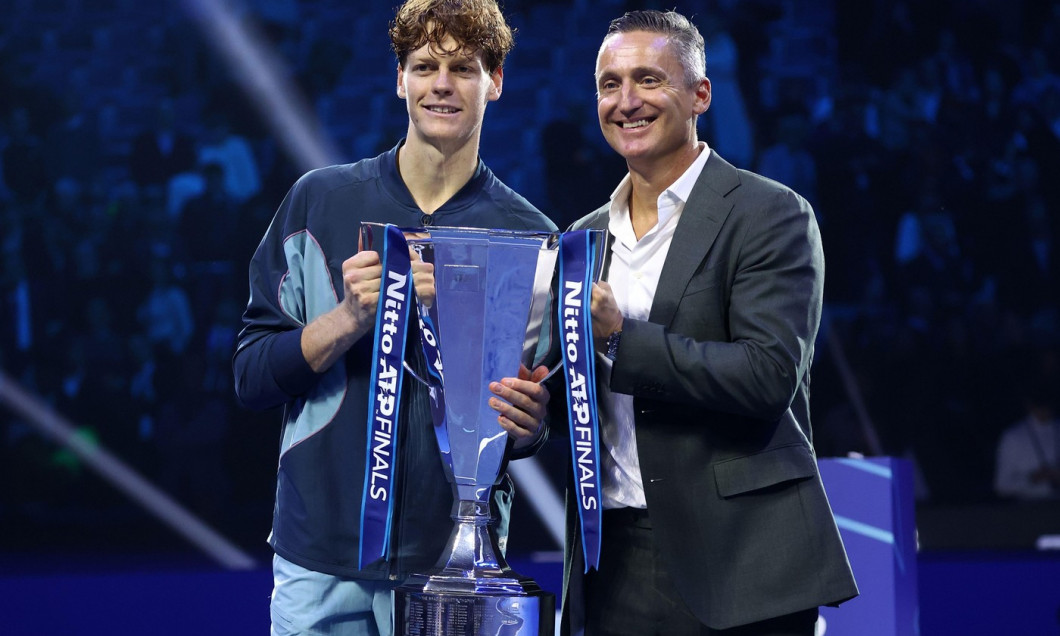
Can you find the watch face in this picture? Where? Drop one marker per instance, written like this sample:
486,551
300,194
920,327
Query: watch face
612,345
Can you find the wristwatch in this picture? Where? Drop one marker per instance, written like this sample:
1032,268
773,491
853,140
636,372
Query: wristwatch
612,345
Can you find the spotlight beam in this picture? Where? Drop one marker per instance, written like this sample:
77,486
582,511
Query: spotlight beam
125,479
259,72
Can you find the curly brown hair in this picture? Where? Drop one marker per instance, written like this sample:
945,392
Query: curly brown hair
476,25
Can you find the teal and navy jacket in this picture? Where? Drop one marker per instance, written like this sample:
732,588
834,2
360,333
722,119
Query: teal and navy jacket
295,276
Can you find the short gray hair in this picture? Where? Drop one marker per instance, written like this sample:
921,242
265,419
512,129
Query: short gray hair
679,30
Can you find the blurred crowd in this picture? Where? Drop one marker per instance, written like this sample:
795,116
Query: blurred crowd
136,180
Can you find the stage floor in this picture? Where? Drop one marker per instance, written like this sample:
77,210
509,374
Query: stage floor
966,593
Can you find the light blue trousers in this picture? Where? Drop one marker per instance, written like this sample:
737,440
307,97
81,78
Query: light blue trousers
308,603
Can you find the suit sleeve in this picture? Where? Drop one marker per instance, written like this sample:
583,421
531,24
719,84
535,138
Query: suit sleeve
769,285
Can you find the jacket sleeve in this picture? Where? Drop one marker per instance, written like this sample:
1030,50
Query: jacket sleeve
268,364
742,339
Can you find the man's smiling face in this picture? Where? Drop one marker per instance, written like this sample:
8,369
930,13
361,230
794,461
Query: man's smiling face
446,90
647,109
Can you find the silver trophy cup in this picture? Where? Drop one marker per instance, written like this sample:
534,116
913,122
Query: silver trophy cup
491,297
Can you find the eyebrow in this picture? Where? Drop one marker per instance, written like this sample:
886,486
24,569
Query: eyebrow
465,59
456,56
636,71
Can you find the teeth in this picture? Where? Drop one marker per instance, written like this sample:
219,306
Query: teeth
442,109
640,123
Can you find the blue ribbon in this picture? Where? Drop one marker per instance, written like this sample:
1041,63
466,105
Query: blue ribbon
576,267
428,317
388,353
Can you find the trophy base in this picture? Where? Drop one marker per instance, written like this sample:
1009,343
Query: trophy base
420,613
472,591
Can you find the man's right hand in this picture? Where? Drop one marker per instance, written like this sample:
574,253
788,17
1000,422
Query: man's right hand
607,318
331,335
361,279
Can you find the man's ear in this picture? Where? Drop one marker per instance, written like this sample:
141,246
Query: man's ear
497,82
401,82
702,102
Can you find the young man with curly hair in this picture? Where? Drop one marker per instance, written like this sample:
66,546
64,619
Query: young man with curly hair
308,329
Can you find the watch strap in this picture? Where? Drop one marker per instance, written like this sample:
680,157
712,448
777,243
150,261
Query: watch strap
612,345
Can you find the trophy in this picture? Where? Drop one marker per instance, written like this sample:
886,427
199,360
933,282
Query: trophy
492,298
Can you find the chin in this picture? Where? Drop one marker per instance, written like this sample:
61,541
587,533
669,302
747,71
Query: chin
631,152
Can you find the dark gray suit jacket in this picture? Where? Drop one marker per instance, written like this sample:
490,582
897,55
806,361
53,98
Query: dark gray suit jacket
720,375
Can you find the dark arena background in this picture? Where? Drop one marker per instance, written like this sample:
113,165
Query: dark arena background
136,495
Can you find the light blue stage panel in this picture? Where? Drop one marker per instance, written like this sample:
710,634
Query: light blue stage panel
872,500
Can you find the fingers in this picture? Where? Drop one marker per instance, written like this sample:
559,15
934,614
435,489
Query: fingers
516,397
602,297
423,280
362,276
539,374
607,318
361,279
362,270
521,402
362,259
520,432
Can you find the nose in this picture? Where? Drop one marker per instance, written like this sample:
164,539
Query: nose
442,84
629,98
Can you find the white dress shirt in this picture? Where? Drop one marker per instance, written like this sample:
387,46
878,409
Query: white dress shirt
634,274
1022,450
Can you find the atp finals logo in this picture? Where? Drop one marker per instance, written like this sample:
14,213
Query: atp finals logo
579,397
387,387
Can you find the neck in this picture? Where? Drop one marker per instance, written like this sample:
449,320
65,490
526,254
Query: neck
434,174
643,210
652,179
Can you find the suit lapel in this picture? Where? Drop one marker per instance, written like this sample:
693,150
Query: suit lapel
700,222
598,220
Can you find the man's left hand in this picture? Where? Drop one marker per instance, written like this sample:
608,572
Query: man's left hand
522,404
